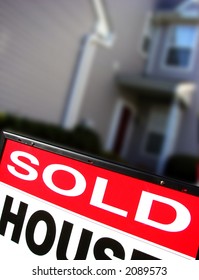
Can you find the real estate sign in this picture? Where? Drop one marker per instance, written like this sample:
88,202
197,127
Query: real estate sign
63,205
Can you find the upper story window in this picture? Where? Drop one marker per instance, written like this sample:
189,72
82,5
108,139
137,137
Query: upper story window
182,41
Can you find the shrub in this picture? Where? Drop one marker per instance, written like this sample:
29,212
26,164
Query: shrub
80,138
182,167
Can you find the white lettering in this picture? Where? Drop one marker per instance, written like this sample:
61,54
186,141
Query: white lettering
181,221
80,183
32,173
98,196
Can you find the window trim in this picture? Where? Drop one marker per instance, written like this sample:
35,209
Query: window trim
147,31
167,44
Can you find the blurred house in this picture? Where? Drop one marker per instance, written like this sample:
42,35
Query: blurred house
164,94
127,69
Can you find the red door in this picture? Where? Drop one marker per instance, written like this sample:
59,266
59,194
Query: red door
122,130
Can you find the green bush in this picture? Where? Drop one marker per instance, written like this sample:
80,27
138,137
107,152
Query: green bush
80,138
182,167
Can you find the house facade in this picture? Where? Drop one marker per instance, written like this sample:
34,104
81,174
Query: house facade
127,69
166,91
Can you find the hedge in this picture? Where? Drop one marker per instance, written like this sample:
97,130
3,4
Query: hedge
182,167
80,138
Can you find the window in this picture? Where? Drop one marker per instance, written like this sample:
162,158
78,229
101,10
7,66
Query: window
154,143
181,44
155,132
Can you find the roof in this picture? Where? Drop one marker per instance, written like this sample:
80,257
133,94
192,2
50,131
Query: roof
168,4
178,12
157,88
169,17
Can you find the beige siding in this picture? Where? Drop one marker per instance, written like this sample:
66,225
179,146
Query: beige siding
39,42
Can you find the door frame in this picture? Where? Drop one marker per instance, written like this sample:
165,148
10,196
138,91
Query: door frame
114,125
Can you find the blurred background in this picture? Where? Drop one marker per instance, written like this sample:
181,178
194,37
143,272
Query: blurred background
116,79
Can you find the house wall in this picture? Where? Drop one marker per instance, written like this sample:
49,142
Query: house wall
39,43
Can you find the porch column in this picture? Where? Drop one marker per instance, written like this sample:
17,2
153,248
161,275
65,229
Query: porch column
171,133
79,82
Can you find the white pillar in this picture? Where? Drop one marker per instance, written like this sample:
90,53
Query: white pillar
79,83
170,135
114,124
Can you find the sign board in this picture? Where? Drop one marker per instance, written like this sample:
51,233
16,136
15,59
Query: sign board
63,205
